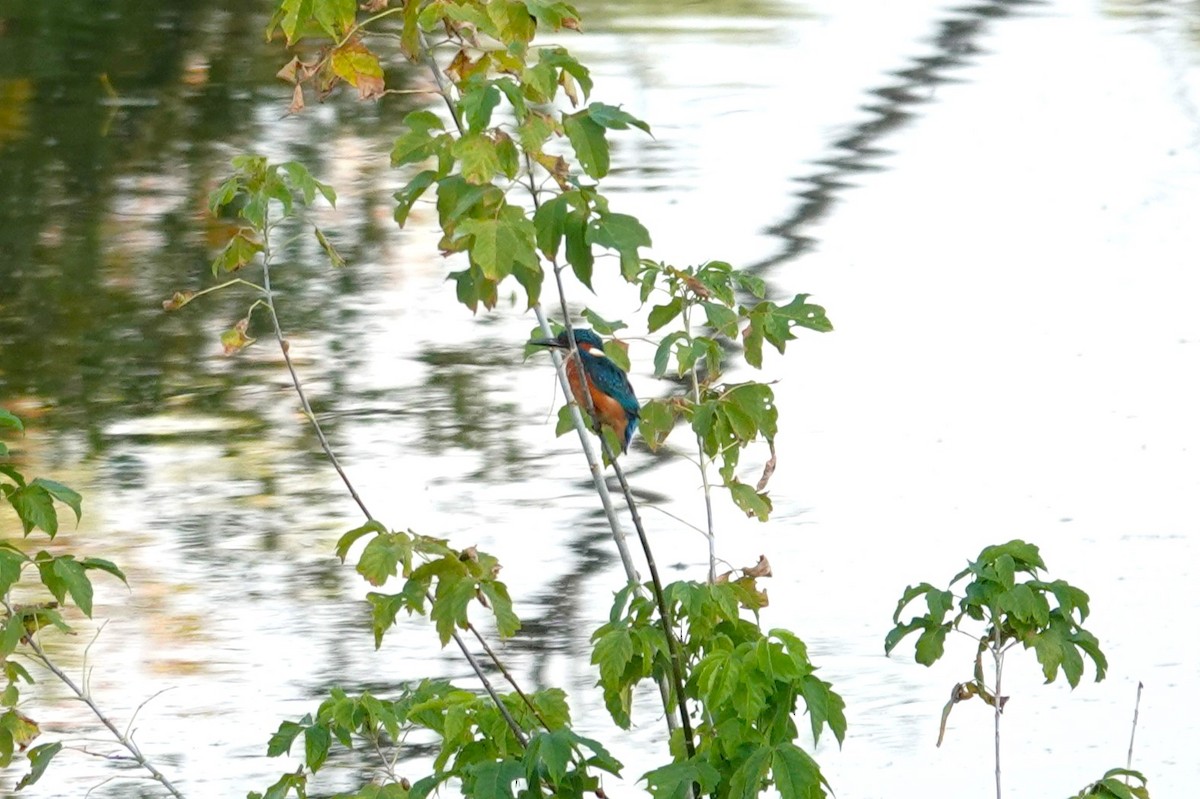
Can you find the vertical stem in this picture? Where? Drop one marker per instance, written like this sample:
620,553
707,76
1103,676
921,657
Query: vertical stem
703,462
998,655
1136,705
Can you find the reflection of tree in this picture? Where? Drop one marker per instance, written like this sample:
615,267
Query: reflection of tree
859,149
461,409
119,117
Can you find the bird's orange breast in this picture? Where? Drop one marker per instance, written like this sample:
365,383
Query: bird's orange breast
608,410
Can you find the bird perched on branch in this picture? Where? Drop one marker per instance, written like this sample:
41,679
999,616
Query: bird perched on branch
612,396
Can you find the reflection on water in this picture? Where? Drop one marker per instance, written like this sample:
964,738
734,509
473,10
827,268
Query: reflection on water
202,479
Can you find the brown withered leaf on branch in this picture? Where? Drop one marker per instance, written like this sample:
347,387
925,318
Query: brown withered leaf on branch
469,554
297,100
290,73
178,300
768,469
760,569
358,66
557,166
757,596
459,66
373,6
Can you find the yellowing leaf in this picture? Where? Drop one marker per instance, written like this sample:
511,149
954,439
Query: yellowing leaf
358,66
235,339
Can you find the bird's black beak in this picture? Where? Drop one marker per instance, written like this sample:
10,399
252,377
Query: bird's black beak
547,342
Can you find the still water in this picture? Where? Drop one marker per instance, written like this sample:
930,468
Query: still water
995,202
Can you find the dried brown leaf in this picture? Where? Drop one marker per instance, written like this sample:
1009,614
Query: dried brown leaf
768,469
760,569
297,100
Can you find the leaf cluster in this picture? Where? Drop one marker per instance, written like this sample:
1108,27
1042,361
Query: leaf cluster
506,128
747,685
725,418
63,576
1110,787
433,572
476,745
1013,612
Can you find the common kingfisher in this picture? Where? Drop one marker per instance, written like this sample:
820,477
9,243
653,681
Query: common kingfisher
612,396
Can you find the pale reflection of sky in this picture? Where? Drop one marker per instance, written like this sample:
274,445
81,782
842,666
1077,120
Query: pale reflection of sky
1015,356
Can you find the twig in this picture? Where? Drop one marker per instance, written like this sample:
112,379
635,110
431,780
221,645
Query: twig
269,302
83,696
703,465
1136,706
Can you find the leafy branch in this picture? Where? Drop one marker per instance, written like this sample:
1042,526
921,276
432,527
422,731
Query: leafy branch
66,579
1011,612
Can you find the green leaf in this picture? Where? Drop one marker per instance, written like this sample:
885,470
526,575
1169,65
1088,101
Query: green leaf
602,325
478,157
750,501
383,555
551,750
508,155
14,631
723,320
587,138
453,597
71,575
11,421
1088,643
412,191
316,746
558,58
335,258
549,223
346,541
932,644
104,566
35,507
39,757
623,233
747,779
825,707
11,562
498,244
296,14
612,652
494,780
302,181
657,421
662,355
662,314
334,16
281,741
384,608
512,21
805,314
674,781
416,143
579,250
553,15
477,104
611,116
757,402
1026,556
507,622
797,775
240,251
566,423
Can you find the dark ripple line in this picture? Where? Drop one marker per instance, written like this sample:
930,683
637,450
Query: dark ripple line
956,42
